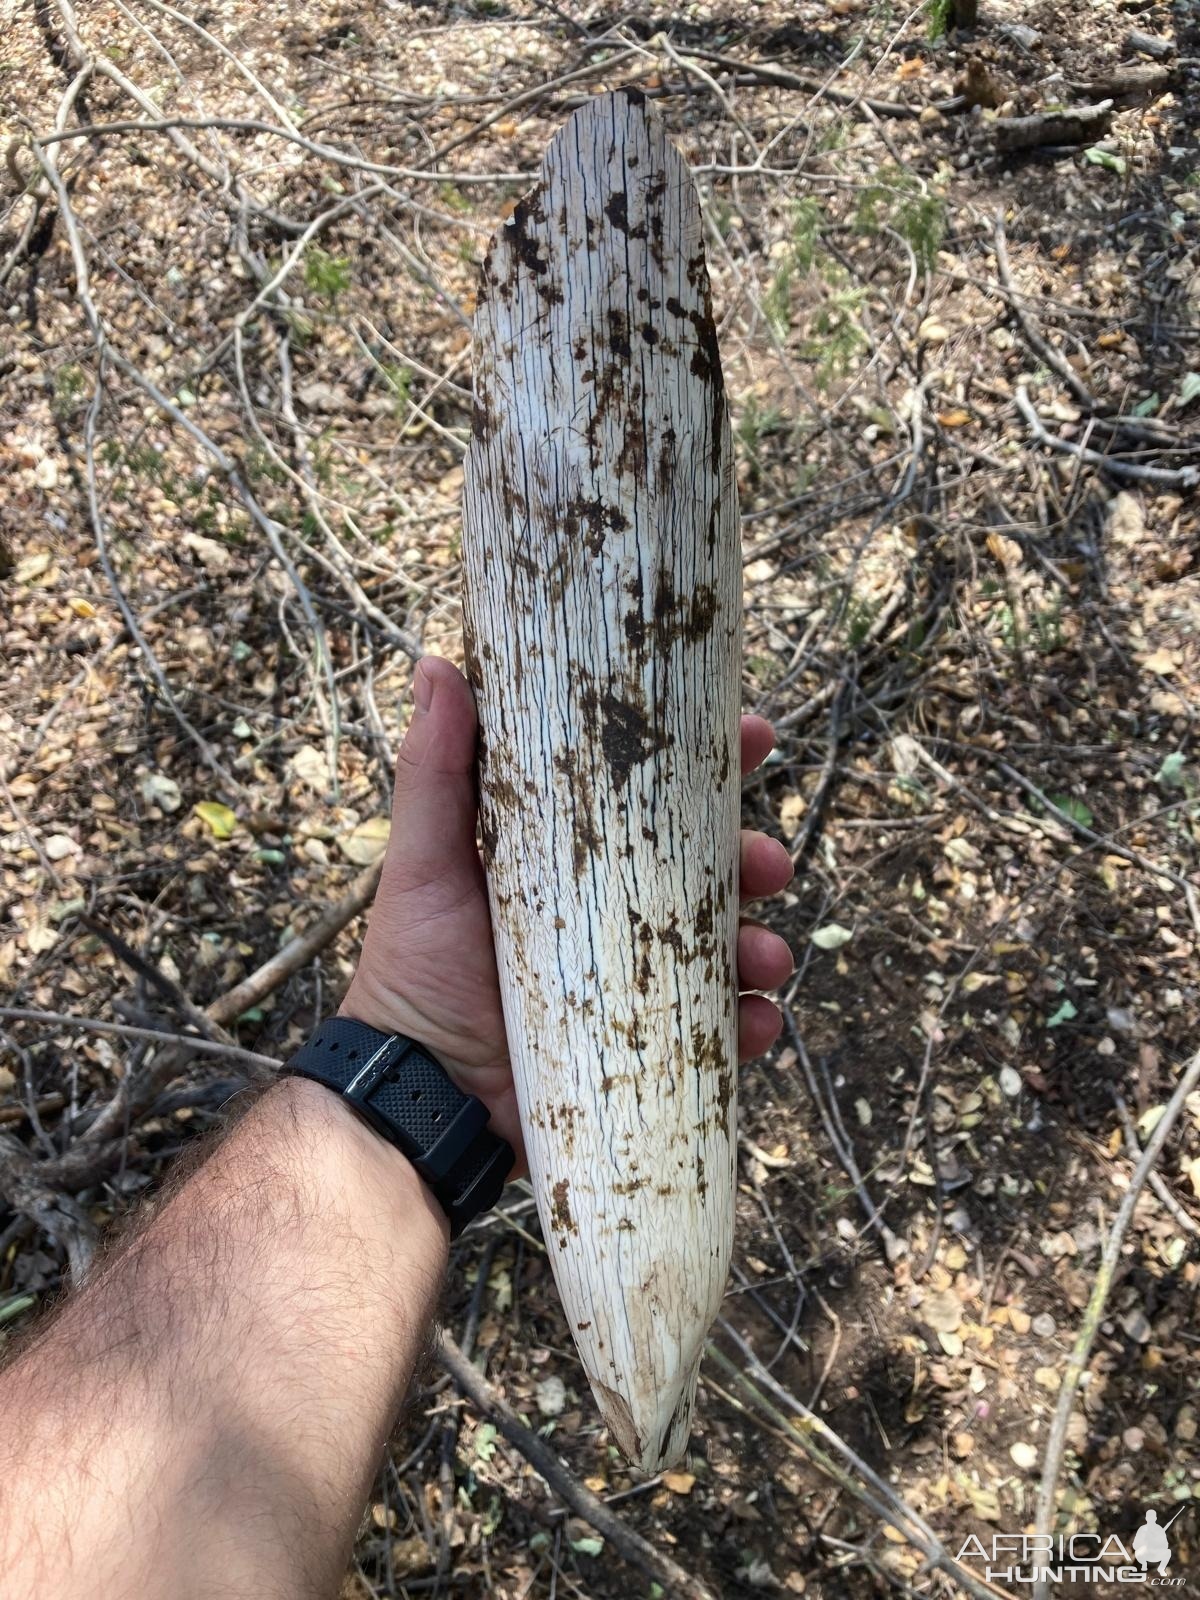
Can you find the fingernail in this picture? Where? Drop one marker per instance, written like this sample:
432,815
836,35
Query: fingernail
422,689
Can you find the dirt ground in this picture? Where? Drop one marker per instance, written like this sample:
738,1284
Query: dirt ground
960,327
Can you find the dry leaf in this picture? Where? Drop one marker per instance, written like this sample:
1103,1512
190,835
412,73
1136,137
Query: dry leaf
40,936
32,567
221,820
943,1312
679,1482
1162,662
551,1396
365,844
213,557
161,791
1006,552
309,765
791,810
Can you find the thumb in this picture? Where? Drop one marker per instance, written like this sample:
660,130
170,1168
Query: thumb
434,806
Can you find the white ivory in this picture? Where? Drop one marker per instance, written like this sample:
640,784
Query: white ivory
602,607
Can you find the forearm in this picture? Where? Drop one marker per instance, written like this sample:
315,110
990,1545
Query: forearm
205,1418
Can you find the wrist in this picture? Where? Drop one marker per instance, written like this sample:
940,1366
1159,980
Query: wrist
370,1177
379,1007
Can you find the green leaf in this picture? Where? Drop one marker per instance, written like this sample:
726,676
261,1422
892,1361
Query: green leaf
1073,808
1105,159
220,819
485,1441
270,858
1170,774
1064,1013
832,936
589,1545
1148,406
1189,388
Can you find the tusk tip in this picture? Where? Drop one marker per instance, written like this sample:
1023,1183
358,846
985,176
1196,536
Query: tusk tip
653,1428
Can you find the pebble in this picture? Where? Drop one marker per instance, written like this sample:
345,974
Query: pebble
1045,1326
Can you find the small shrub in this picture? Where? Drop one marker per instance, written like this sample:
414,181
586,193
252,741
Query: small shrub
326,275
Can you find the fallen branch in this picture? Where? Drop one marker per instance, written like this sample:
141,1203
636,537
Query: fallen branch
818,88
1136,80
868,1488
1077,125
24,1185
299,951
200,1046
101,1146
10,1116
628,1544
893,1246
1155,1180
1041,347
1164,477
1149,44
1135,859
1077,1362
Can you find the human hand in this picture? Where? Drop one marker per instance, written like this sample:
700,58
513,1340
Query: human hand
428,965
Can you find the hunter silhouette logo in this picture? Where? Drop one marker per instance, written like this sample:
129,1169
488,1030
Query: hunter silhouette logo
1080,1558
1150,1543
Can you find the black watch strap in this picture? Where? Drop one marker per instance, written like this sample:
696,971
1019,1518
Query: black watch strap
408,1097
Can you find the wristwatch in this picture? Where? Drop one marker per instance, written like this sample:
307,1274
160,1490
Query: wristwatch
404,1093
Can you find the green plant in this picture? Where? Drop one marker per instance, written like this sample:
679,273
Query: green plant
453,198
398,380
921,219
303,329
860,614
899,199
777,302
261,467
803,252
1047,627
1041,628
841,337
69,385
804,478
754,426
326,275
940,14
808,216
